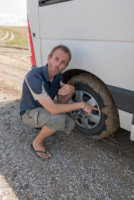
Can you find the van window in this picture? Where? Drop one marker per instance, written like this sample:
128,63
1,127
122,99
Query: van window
48,2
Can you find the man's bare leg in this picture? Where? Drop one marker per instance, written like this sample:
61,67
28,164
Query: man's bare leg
38,142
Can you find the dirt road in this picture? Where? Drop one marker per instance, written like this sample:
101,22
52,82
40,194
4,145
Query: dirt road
14,64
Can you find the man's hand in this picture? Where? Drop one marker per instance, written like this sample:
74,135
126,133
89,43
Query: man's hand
66,89
88,109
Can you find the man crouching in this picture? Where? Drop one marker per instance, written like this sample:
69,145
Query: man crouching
38,108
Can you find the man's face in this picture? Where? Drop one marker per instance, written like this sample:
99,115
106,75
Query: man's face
57,63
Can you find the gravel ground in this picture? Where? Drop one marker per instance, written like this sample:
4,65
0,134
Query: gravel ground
79,169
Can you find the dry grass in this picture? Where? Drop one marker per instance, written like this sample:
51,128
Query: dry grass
20,29
1,33
20,33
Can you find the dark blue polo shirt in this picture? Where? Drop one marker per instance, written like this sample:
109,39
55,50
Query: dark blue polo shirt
36,86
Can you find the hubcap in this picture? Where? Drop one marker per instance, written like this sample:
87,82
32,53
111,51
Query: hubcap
79,116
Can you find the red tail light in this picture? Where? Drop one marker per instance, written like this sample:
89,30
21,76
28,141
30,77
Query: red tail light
33,61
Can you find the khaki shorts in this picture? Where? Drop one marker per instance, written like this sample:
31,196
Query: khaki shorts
39,117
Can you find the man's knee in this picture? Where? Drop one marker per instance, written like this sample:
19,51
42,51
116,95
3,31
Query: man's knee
73,124
57,122
70,124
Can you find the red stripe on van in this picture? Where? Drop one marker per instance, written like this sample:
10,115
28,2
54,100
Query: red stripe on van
33,61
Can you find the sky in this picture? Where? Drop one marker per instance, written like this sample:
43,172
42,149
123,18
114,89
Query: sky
13,13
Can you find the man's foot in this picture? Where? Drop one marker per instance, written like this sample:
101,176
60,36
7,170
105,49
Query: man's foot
39,147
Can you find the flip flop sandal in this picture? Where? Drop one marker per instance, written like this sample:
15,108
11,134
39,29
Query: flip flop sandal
34,151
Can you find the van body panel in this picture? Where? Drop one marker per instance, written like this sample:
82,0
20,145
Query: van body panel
32,10
37,52
91,20
132,133
125,120
112,62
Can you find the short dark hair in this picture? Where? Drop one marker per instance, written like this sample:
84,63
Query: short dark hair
63,48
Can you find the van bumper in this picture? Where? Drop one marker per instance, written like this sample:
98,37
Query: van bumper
132,130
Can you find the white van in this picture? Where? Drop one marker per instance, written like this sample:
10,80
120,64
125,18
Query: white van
100,35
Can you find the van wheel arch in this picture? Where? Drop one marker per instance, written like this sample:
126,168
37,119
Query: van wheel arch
97,88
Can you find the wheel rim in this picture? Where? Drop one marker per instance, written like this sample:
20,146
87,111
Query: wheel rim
79,116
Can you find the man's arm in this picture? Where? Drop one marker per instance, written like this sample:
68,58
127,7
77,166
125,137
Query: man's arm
55,109
65,93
